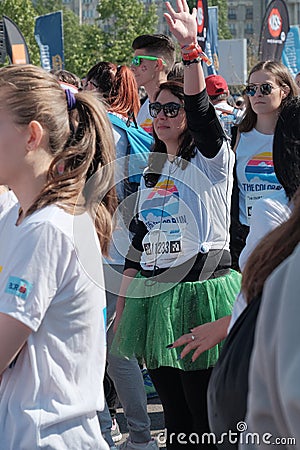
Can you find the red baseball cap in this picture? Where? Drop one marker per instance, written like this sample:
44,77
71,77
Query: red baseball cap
216,85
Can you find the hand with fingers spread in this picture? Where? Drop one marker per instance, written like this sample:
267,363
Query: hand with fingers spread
182,24
202,338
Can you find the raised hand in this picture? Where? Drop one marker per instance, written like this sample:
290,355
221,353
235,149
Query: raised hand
182,24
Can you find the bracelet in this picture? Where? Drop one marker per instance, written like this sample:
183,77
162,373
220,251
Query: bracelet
193,61
194,51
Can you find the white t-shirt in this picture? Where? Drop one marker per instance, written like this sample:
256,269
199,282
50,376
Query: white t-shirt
52,281
144,119
267,214
7,200
255,171
187,210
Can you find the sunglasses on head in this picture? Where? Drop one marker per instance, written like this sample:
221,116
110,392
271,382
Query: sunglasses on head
136,60
170,109
265,89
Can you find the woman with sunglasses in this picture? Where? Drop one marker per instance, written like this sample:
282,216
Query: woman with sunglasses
177,272
270,85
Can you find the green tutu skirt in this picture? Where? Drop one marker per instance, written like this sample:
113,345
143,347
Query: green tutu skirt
156,314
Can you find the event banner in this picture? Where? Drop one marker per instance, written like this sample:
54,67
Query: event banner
274,30
291,50
16,47
211,47
202,21
48,34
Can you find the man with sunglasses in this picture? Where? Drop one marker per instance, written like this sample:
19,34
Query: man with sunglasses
154,57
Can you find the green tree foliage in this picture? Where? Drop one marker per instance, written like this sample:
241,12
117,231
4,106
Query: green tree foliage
23,14
122,21
82,43
223,30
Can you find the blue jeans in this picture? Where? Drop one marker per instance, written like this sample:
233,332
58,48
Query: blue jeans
125,373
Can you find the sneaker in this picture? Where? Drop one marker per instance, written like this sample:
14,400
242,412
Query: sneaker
128,445
149,387
115,432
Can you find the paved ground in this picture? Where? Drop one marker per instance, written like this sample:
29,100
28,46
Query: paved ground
157,421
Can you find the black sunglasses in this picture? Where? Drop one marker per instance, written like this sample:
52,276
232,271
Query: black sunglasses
170,109
265,89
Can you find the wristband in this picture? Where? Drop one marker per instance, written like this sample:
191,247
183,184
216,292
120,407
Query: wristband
192,52
193,61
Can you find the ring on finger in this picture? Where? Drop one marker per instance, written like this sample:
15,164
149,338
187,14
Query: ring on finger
193,337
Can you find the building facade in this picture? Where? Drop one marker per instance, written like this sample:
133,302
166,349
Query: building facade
85,9
244,16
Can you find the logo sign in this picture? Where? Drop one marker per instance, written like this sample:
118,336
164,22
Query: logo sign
275,27
202,22
200,16
19,287
275,23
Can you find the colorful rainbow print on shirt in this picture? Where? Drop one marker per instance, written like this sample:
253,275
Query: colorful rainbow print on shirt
261,169
163,200
147,125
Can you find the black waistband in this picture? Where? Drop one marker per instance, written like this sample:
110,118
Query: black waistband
201,267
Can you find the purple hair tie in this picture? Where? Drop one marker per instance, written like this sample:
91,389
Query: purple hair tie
71,100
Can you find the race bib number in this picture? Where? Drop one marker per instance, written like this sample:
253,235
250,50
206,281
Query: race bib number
161,246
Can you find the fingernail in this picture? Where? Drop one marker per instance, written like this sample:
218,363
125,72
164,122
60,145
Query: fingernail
191,330
179,357
169,345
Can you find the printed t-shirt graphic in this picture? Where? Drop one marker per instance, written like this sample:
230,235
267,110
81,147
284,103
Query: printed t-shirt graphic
160,212
255,171
144,119
260,174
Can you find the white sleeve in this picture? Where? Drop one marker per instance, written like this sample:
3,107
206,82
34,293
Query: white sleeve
266,215
7,200
36,271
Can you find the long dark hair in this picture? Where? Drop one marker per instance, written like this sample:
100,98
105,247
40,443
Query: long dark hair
186,143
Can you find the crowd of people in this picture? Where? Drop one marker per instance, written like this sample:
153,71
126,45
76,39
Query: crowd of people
149,237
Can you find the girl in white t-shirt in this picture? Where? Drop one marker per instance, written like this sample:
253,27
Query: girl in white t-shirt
270,85
52,304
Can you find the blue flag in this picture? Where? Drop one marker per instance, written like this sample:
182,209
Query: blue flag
211,48
48,33
291,50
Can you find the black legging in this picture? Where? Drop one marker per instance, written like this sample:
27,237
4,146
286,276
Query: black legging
184,400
